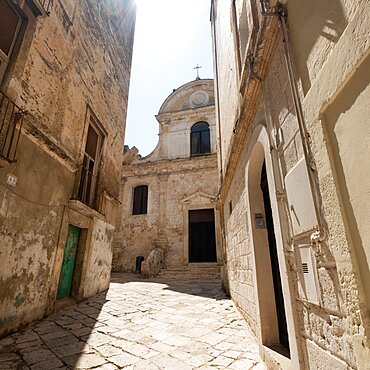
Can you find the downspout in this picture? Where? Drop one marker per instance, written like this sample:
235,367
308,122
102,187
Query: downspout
280,12
298,354
319,235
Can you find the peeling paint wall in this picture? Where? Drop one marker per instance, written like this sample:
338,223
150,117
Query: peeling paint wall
75,61
100,262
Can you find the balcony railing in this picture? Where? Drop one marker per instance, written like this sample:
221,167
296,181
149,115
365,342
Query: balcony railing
46,4
87,187
11,121
40,7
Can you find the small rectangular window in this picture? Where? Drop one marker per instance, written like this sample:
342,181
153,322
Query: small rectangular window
140,203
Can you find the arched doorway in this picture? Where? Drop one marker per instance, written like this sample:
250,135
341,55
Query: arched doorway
273,322
275,270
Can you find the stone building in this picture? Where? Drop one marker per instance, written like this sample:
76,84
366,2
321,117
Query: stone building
64,77
168,197
292,103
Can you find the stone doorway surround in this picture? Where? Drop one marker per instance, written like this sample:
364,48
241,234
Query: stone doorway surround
198,201
202,236
268,333
71,217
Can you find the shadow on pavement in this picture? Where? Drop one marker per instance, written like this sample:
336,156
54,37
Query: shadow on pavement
204,288
80,336
57,341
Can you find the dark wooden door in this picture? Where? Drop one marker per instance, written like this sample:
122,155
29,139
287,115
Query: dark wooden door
202,240
69,261
279,298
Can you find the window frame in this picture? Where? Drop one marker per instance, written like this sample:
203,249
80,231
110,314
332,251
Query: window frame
140,208
99,146
88,181
201,151
5,59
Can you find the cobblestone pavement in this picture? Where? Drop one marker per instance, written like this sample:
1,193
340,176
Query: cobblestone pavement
139,324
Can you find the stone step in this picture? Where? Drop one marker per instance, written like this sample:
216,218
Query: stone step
190,276
192,270
206,271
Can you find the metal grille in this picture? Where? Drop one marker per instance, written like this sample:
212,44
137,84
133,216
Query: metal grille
87,188
305,267
11,121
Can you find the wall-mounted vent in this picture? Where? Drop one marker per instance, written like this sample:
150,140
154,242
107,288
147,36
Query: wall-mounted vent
308,288
305,268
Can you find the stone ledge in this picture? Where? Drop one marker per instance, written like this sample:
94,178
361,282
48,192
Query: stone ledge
85,210
4,163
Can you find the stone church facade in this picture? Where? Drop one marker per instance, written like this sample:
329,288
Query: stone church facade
292,96
64,74
169,197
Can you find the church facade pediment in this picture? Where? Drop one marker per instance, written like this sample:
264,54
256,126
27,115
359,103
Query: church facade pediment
195,94
198,197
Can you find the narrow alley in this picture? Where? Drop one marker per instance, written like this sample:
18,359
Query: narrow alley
139,324
219,149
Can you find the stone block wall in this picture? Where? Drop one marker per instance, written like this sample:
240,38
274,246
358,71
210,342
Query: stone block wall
329,61
239,246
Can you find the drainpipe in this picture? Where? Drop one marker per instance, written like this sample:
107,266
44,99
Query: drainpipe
319,235
279,11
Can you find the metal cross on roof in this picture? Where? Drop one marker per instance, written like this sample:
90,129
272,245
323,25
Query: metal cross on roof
197,68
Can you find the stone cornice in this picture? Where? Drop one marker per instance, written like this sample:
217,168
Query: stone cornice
171,166
186,113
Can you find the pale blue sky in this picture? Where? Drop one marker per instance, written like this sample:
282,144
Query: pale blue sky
171,37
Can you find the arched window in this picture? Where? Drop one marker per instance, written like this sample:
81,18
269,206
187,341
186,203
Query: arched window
140,204
200,141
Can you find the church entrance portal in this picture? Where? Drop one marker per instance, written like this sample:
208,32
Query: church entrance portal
279,299
202,241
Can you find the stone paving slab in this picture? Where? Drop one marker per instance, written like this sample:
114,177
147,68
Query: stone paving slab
139,324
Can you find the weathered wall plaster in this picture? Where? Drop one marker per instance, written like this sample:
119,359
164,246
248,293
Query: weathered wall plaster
74,61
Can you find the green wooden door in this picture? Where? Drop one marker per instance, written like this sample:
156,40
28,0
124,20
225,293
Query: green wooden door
69,260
